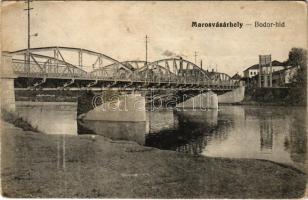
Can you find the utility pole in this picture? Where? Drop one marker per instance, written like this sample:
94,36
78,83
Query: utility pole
146,49
195,57
27,56
28,9
146,56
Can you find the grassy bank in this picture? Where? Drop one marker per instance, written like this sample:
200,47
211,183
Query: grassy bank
38,165
17,121
275,96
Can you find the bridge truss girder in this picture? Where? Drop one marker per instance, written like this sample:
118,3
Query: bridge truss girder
95,60
45,66
174,70
165,73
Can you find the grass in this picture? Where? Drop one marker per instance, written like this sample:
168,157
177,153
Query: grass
17,121
49,166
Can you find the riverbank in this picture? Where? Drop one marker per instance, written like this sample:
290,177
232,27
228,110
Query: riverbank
292,96
39,165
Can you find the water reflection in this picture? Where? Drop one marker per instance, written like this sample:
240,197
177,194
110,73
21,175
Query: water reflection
272,133
157,121
133,131
266,134
188,136
296,142
160,120
274,126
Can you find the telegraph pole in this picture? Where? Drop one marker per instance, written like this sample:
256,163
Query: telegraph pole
146,56
28,9
195,57
146,49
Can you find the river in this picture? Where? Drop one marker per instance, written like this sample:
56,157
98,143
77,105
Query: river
261,132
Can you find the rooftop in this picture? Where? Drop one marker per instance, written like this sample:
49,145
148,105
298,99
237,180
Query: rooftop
274,63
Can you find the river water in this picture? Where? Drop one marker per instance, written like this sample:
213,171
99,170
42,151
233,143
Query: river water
262,132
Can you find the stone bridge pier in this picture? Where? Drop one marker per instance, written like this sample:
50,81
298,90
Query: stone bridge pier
117,106
206,100
7,83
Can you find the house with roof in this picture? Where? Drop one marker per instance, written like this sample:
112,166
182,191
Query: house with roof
280,78
284,77
254,69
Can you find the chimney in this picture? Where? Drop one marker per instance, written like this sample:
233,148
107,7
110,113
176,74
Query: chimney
201,63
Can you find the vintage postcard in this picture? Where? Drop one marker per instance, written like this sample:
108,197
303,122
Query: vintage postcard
154,99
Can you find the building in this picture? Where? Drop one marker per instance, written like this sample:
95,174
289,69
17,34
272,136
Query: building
251,71
280,78
254,70
284,77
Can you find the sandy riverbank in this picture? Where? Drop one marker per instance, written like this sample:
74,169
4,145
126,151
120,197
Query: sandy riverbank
38,165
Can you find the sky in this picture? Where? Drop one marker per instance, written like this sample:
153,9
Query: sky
118,29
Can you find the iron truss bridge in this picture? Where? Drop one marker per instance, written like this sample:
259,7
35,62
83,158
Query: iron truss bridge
75,68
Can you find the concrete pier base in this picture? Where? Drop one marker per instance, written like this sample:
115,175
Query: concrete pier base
202,101
8,95
234,96
7,84
207,118
125,108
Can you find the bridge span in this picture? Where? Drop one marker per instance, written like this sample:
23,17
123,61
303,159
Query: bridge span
81,69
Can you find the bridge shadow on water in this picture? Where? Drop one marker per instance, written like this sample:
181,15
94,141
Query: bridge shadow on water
186,131
194,129
233,132
130,131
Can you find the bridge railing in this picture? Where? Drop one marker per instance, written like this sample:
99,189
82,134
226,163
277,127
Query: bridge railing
46,69
59,70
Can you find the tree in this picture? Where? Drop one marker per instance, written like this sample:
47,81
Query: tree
298,58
